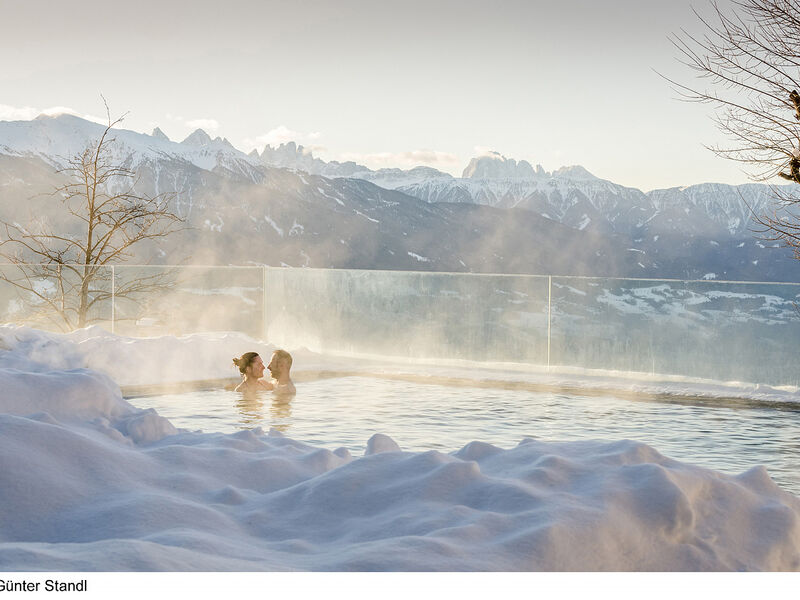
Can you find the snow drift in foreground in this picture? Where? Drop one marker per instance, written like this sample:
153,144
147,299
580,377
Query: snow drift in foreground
89,482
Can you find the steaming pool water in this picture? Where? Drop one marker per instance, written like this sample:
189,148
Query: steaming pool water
347,411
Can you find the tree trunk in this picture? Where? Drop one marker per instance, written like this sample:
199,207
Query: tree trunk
83,304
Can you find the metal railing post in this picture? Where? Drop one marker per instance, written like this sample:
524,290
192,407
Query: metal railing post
549,309
113,296
264,302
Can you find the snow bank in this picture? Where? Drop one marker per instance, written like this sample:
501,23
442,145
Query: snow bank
88,482
81,398
129,361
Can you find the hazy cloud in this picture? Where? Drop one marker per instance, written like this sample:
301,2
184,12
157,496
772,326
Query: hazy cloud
482,150
26,113
207,124
412,158
281,135
12,113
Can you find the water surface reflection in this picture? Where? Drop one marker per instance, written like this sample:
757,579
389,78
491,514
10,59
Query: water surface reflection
729,436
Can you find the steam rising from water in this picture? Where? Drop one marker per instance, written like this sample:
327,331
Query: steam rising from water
725,331
744,332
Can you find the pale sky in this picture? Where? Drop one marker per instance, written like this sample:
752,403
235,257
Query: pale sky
383,83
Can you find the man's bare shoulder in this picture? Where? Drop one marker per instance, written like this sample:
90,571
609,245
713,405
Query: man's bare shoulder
284,388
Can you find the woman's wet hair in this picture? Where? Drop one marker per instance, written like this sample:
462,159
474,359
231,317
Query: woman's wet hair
245,360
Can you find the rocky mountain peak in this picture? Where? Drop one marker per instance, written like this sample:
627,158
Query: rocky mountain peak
159,135
494,165
286,150
197,138
574,172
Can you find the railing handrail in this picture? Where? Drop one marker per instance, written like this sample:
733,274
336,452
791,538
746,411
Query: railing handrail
397,271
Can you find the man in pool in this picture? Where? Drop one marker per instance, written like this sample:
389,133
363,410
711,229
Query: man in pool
279,367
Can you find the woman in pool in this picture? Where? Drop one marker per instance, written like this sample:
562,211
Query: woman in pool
252,369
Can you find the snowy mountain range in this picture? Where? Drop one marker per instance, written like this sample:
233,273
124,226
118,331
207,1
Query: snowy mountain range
570,195
56,138
500,215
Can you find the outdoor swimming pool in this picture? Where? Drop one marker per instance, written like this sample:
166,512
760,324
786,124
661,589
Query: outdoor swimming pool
347,411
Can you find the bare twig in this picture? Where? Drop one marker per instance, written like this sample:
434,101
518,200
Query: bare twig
62,274
750,59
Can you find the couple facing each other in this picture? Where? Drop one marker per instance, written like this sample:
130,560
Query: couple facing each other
252,369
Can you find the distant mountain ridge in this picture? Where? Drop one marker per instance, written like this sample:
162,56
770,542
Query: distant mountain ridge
689,232
496,166
570,195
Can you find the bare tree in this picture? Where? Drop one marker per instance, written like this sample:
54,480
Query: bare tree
749,57
66,276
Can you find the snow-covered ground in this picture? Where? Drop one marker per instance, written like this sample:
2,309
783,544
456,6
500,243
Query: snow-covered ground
89,482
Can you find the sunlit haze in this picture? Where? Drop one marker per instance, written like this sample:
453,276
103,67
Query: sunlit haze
576,354
386,85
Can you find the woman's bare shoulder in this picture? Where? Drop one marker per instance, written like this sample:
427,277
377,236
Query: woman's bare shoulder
259,385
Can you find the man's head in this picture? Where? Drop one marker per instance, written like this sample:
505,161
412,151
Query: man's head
280,364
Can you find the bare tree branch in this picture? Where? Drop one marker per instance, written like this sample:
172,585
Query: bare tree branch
61,275
750,58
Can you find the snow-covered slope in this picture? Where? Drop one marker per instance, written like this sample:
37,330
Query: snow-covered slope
730,207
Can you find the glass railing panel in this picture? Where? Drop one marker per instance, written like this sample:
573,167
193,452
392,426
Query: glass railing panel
712,329
604,324
157,300
410,314
54,297
741,331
